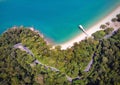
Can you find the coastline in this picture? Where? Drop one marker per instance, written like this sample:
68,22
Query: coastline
90,31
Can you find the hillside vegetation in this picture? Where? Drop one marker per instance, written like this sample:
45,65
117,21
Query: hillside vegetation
55,66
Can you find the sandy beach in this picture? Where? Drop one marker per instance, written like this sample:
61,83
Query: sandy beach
91,30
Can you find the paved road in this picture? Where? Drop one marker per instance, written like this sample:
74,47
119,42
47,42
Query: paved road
91,61
89,65
23,48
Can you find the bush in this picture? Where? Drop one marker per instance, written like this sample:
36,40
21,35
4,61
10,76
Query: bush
103,26
114,20
108,30
98,35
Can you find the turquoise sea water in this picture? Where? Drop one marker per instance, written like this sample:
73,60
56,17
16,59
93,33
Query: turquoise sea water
58,20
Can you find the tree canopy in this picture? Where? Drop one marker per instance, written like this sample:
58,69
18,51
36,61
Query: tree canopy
18,67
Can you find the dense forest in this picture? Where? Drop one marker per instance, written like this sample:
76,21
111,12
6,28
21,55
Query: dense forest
37,64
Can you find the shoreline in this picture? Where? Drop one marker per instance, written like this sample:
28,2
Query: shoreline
90,31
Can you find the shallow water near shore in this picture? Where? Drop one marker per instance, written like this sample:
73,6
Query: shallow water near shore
58,20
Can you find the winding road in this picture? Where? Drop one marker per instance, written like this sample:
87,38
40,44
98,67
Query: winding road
105,37
23,48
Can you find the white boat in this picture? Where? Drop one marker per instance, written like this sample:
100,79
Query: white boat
81,27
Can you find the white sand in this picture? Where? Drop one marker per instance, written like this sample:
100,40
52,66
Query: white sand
91,30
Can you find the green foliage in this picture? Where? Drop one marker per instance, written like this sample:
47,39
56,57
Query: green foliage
114,20
11,72
103,26
18,67
98,35
116,36
108,30
106,69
